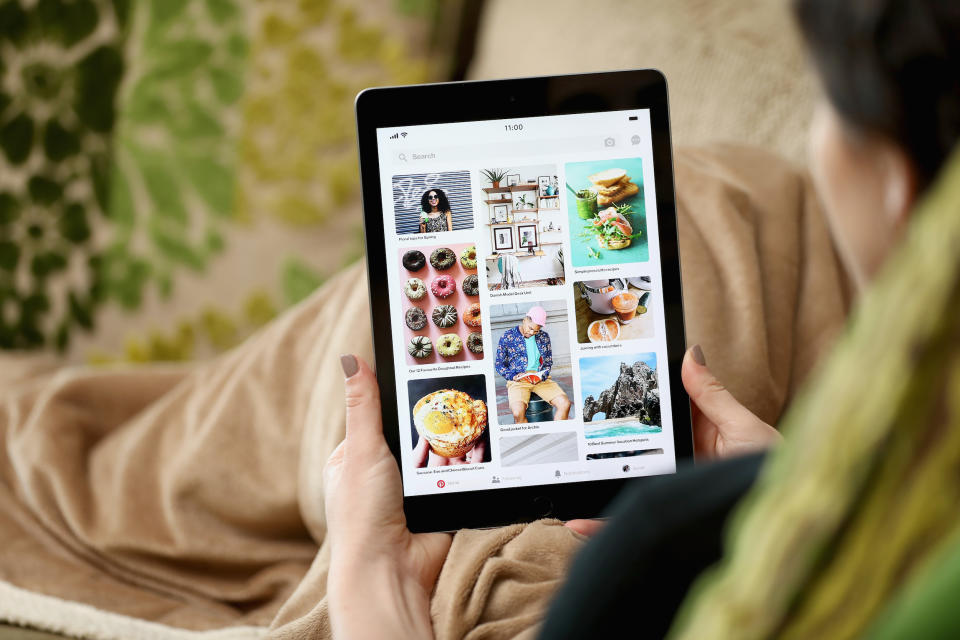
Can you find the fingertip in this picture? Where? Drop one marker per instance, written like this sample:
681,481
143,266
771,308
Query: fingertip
696,352
350,365
694,357
361,383
585,527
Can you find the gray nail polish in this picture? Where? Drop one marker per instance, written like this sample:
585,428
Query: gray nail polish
698,355
349,364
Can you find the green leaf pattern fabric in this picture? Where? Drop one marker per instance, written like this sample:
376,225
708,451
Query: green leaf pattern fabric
150,151
61,64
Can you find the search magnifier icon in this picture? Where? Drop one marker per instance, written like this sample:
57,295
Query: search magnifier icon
402,157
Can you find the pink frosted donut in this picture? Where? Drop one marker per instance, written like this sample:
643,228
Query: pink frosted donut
443,286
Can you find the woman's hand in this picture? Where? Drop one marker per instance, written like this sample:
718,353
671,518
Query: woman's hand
381,575
423,455
722,427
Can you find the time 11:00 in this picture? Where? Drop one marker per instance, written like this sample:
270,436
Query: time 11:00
513,127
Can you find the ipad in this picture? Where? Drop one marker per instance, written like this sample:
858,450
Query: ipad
525,292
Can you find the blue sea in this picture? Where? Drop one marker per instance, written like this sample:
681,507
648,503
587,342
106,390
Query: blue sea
619,430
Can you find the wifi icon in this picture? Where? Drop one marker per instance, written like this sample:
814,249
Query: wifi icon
403,134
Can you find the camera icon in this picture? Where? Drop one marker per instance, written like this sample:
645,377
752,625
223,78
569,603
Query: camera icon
609,142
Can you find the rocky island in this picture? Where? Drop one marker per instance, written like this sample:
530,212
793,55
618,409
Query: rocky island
635,394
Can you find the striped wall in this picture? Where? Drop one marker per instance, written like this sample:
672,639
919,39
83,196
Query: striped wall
407,190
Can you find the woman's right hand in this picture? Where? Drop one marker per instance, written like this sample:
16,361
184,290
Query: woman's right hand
722,427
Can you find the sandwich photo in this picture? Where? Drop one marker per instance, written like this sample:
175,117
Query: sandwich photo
606,212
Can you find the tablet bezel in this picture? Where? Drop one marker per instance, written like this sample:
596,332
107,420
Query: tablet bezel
493,100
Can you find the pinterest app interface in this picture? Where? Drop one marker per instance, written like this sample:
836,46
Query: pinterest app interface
523,265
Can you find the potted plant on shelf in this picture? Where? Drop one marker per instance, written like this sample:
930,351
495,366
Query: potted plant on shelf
523,203
494,176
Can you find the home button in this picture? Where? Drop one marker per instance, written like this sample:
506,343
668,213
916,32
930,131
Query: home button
543,506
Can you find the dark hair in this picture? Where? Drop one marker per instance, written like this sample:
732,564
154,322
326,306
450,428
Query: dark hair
443,205
892,68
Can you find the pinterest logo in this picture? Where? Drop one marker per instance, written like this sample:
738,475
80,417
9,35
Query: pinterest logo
441,484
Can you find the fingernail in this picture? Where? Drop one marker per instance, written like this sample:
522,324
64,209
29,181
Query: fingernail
349,364
697,354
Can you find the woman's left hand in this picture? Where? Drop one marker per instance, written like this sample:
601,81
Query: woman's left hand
381,575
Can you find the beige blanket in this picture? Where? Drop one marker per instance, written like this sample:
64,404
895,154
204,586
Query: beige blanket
172,498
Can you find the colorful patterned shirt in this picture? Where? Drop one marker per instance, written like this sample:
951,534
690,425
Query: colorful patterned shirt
511,356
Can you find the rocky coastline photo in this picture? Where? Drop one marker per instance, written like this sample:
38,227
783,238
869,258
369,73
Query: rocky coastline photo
620,400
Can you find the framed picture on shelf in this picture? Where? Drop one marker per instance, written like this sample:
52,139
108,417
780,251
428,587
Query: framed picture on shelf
500,212
543,182
527,235
513,179
502,238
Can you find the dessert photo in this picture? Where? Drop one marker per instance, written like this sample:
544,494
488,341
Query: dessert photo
606,212
441,304
448,421
432,202
613,309
534,375
525,225
621,396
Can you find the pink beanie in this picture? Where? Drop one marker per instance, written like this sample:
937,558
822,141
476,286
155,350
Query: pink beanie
538,315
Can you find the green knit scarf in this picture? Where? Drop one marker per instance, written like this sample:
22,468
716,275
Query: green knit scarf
853,529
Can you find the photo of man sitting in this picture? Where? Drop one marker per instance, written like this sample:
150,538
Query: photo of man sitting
524,359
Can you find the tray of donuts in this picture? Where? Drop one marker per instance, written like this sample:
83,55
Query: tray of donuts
441,305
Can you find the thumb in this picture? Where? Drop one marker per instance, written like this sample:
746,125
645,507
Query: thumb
362,399
712,399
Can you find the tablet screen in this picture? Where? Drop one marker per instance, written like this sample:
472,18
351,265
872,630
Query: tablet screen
528,323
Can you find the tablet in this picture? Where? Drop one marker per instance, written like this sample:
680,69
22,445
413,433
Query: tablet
525,292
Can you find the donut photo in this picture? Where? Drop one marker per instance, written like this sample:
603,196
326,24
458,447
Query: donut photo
439,290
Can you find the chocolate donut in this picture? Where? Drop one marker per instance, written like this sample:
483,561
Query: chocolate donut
449,345
471,317
475,342
413,260
415,318
415,289
445,316
443,258
443,286
420,347
471,285
469,258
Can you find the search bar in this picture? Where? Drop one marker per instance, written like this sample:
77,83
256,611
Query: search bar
503,150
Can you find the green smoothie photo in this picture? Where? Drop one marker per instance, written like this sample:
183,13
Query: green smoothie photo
586,203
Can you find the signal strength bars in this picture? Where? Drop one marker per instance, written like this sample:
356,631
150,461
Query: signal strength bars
398,135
